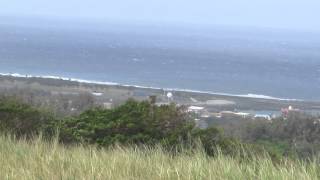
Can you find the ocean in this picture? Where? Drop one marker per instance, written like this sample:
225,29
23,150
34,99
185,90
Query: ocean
215,60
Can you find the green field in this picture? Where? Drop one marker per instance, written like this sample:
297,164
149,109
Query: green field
37,159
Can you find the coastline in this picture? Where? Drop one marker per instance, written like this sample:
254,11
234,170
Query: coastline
110,94
94,82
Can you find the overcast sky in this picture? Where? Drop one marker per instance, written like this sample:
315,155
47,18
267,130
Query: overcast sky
288,14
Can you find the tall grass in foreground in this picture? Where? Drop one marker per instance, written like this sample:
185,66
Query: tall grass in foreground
20,159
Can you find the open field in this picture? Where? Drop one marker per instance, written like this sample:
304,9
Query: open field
38,159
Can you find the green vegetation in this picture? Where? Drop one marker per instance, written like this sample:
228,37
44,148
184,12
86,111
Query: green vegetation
133,123
21,119
38,159
144,141
141,123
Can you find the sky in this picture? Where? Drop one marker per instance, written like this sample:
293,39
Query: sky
283,14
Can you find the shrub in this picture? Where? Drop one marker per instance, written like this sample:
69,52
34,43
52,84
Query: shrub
21,119
131,123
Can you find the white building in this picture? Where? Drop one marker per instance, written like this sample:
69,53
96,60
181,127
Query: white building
262,116
195,109
107,105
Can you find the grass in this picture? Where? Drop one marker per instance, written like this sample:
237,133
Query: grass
37,159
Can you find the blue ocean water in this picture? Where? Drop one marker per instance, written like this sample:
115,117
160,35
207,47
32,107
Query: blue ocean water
219,62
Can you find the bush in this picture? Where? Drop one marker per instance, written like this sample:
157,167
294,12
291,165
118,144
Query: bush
142,123
131,123
21,119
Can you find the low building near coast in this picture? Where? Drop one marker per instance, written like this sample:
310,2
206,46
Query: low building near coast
196,109
231,114
289,111
263,117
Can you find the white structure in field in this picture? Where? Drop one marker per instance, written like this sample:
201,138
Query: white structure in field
243,114
107,105
195,109
289,110
231,114
170,96
97,94
262,116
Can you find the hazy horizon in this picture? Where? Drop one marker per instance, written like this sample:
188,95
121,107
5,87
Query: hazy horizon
292,15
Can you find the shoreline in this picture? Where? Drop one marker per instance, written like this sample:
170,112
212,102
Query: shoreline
109,94
94,82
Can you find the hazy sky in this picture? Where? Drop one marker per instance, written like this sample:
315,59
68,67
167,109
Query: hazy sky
289,14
